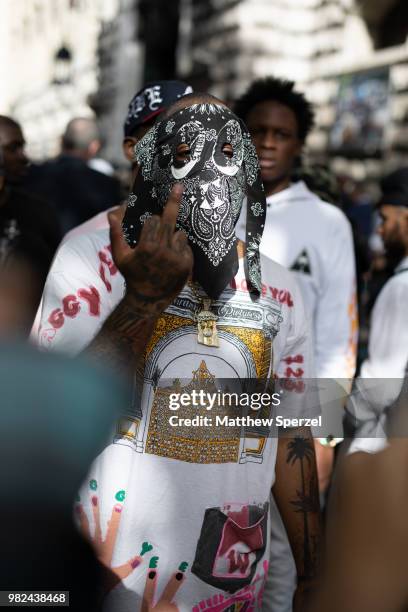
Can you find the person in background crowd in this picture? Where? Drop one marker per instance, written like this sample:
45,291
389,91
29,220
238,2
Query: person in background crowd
322,182
303,233
310,237
83,265
24,266
144,109
313,239
388,340
20,211
168,515
76,190
29,235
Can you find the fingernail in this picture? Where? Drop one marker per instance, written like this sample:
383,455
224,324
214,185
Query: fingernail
179,576
118,508
135,563
178,188
94,500
152,575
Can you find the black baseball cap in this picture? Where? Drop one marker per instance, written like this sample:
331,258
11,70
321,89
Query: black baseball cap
152,100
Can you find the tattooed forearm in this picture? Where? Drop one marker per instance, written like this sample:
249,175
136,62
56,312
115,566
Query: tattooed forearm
297,496
122,340
154,271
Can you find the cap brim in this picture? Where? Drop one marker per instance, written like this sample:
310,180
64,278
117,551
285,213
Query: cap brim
152,115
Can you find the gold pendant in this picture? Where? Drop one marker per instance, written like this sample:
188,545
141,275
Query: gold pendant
207,326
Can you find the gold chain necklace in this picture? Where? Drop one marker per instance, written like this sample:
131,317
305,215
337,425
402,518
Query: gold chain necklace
206,320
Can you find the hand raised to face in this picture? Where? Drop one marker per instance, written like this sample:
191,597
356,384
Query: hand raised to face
156,270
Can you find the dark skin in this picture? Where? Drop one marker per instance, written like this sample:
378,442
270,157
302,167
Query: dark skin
393,230
155,272
367,536
296,494
274,132
15,159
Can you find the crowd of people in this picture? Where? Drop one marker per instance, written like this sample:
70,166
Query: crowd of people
228,261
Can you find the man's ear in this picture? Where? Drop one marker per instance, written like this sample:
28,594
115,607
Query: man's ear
128,146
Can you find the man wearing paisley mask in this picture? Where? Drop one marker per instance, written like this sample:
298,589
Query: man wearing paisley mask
195,499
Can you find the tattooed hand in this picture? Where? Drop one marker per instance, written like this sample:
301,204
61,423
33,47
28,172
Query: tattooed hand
157,269
155,272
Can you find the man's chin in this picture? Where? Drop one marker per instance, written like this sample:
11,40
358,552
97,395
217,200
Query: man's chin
394,254
270,177
273,182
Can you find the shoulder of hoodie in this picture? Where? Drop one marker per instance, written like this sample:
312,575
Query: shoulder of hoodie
327,213
314,211
395,291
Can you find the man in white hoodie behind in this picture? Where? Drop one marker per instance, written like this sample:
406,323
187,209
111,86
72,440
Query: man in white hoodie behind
314,240
303,233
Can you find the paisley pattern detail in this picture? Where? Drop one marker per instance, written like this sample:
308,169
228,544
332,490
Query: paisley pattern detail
131,201
169,126
251,160
144,152
252,257
143,218
206,109
256,209
215,185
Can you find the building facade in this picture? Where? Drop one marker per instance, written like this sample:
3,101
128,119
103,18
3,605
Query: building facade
49,64
349,56
334,50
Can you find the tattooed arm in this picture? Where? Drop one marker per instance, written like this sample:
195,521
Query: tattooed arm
155,272
297,497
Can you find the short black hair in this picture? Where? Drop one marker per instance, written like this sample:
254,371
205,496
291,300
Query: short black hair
282,91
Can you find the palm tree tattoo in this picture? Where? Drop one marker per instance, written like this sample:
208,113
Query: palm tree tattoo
301,450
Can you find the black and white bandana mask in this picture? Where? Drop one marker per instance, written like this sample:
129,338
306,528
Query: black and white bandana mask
214,189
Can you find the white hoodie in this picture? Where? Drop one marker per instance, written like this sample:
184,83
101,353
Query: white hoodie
314,240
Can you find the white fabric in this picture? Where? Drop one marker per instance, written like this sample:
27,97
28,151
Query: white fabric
101,165
166,497
95,223
387,358
388,342
298,221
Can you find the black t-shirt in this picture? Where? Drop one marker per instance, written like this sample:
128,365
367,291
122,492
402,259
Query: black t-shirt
27,219
29,234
